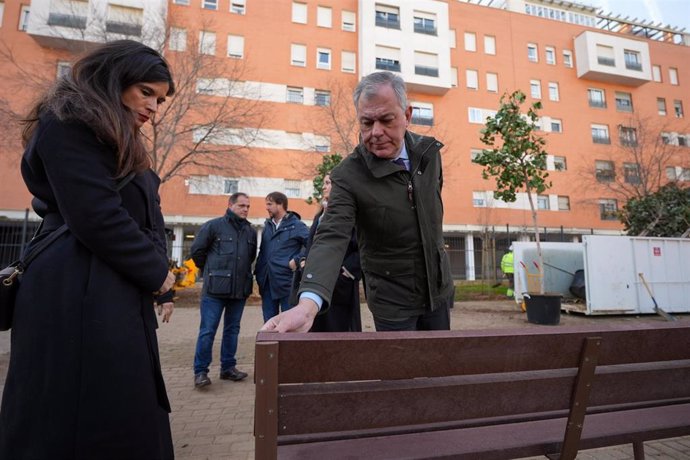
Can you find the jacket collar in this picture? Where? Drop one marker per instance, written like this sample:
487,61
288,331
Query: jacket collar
235,220
417,148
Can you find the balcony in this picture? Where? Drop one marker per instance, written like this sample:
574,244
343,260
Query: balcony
613,59
601,139
70,25
598,104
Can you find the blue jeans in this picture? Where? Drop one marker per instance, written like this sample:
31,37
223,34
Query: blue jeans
269,305
211,310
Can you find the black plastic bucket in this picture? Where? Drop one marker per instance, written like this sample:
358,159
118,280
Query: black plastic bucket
543,308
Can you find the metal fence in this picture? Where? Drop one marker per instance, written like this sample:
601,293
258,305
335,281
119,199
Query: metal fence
13,238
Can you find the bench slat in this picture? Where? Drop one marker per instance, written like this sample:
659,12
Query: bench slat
505,441
314,408
316,357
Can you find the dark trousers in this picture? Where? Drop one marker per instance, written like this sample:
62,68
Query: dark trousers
437,320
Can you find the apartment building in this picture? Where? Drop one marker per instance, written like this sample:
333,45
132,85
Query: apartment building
613,95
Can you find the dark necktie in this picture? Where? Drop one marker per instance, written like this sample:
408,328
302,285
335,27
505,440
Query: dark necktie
400,162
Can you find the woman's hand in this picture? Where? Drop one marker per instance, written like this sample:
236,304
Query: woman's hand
166,310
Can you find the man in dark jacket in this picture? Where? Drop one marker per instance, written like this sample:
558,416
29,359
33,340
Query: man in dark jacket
224,249
389,189
282,245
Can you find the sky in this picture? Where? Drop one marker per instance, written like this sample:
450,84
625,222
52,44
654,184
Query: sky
668,12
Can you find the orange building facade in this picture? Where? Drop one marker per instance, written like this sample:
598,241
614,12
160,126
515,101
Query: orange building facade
614,96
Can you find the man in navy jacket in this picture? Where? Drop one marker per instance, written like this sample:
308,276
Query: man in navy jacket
224,249
282,245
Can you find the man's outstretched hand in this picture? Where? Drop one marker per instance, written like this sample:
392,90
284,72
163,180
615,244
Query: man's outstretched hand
297,319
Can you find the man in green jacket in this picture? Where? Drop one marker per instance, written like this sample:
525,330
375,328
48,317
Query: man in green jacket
389,189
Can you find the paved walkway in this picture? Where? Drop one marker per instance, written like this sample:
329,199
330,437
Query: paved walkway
217,422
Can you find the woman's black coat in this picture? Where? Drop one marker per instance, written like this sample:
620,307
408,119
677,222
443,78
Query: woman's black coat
343,313
84,378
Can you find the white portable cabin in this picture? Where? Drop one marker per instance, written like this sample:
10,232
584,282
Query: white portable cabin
612,265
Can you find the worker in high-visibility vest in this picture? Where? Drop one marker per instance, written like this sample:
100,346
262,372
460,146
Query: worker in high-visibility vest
508,270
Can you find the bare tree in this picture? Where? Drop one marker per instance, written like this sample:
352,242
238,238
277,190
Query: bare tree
636,167
208,125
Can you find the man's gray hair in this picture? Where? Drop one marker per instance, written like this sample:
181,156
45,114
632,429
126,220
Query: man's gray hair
370,84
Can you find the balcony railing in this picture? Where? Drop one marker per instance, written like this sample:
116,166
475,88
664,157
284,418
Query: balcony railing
424,70
606,61
605,175
600,104
388,23
608,215
425,121
391,66
633,65
123,28
67,20
425,29
601,139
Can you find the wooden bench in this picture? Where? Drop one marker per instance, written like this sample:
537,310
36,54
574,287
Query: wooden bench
494,394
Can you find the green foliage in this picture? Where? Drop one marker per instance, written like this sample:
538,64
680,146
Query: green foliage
516,159
327,164
665,213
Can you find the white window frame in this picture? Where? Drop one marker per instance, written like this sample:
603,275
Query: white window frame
323,65
298,51
293,188
532,85
294,95
492,82
673,76
471,79
490,45
567,58
178,39
533,52
347,57
209,4
300,14
322,95
550,55
238,7
554,92
656,73
348,21
24,18
207,42
661,106
454,77
235,46
2,12
63,68
324,17
181,2
470,41
555,122
563,203
543,202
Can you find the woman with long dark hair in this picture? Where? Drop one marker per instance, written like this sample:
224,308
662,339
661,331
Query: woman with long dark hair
84,379
343,313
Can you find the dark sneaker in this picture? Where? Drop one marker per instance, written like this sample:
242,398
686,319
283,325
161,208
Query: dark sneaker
233,374
201,380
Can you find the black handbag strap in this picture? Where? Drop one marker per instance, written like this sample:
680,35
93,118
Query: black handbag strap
54,235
